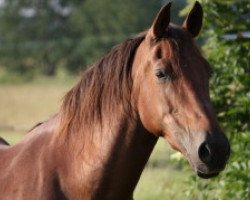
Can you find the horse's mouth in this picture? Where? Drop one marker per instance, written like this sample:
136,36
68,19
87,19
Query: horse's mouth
207,175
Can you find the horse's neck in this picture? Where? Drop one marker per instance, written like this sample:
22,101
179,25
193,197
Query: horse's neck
127,158
111,162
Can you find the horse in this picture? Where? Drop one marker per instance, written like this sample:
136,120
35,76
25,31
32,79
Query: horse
154,85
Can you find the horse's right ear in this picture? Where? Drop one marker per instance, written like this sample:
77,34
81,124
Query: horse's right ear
161,21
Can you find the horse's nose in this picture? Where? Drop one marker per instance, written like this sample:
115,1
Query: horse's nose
205,153
215,151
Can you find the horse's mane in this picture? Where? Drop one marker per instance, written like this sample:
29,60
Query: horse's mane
103,87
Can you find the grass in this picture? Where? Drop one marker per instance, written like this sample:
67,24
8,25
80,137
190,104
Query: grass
26,104
23,105
161,183
11,136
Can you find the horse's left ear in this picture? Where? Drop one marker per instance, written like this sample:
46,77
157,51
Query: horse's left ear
193,22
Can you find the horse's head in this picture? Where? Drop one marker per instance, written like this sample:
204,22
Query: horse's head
171,78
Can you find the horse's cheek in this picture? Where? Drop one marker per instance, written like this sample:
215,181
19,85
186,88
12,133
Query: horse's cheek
149,114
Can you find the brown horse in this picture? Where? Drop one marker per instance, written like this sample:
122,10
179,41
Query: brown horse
154,85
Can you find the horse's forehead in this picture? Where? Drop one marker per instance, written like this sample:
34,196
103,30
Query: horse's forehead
175,35
182,42
177,32
164,49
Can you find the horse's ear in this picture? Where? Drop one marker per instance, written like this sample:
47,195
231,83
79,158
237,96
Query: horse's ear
161,21
193,22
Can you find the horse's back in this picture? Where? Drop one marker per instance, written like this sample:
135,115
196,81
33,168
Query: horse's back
26,168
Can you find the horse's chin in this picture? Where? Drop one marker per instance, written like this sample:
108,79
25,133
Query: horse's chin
204,172
207,175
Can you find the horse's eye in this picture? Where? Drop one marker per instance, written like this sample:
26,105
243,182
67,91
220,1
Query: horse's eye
165,74
161,74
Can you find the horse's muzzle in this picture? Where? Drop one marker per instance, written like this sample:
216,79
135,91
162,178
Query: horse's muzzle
213,153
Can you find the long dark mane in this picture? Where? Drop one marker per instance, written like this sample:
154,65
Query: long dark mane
104,86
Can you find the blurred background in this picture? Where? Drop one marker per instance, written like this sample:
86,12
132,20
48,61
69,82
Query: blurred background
46,44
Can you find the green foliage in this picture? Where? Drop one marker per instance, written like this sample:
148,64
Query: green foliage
42,35
230,91
96,26
32,36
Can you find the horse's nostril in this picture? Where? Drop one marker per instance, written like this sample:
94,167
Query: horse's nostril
205,153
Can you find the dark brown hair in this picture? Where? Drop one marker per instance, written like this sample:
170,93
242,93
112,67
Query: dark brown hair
103,86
